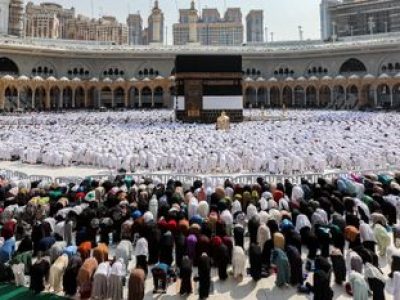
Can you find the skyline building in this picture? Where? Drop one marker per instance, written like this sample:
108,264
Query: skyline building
255,26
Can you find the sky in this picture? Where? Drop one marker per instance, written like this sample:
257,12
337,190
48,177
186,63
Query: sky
282,17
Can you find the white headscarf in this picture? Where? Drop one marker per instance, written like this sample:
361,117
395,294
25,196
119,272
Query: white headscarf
142,247
366,233
370,271
297,193
236,207
103,268
263,235
264,217
118,268
251,211
263,204
203,209
301,222
226,216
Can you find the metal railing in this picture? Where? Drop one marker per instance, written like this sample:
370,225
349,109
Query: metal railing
208,180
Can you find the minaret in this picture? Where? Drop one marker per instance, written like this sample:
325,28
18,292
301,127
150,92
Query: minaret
156,25
16,22
193,19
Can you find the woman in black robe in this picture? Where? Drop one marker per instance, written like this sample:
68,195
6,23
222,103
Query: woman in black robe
238,235
69,277
296,265
204,269
185,273
222,261
39,274
203,246
252,226
255,256
166,248
339,266
153,236
321,285
179,248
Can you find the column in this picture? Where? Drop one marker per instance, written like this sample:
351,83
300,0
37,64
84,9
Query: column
126,97
33,98
152,98
61,99
112,98
98,98
140,98
268,97
391,97
167,98
332,97
86,97
317,97
73,98
47,102
293,98
2,98
18,101
256,97
305,97
376,97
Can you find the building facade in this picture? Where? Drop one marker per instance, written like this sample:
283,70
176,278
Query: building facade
105,29
55,74
348,18
210,28
255,26
155,33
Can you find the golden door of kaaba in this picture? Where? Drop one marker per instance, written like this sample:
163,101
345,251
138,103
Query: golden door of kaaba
193,92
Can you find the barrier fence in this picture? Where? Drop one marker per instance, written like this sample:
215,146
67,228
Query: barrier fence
208,180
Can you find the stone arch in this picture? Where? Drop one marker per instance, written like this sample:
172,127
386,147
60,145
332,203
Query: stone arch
287,96
93,98
351,97
146,97
79,70
351,66
25,98
106,97
44,69
324,96
172,93
275,100
384,95
8,67
299,96
316,68
67,102
396,96
113,71
40,99
158,97
79,97
262,97
119,97
367,96
11,99
133,97
311,97
250,96
55,93
283,70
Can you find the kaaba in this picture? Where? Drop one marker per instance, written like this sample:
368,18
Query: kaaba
207,85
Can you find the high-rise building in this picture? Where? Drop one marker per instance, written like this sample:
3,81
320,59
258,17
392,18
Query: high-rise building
4,16
16,18
50,12
358,17
156,25
135,29
43,25
106,29
210,28
255,26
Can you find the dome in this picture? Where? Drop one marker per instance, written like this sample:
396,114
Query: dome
327,78
354,77
23,77
313,78
133,79
146,79
369,76
94,79
272,79
159,77
260,79
120,79
7,77
51,78
172,77
384,76
107,79
248,79
289,79
340,77
64,78
38,78
301,78
76,79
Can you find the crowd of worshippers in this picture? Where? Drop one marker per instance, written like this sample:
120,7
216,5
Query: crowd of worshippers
61,235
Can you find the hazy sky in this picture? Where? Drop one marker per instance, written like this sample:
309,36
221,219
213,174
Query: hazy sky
281,16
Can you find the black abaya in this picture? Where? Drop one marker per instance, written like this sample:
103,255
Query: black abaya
204,267
185,273
255,257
